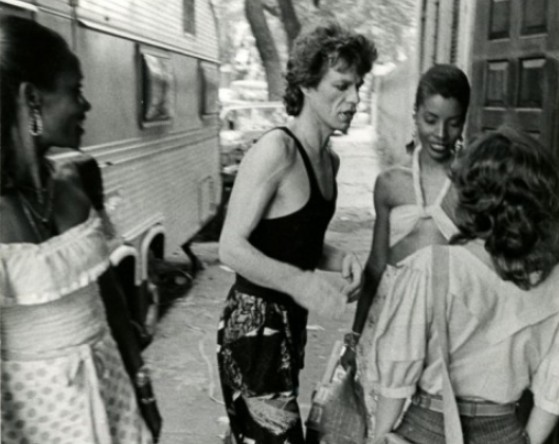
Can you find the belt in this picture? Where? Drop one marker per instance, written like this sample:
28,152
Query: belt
465,408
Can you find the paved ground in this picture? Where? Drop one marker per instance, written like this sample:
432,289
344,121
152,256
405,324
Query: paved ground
182,355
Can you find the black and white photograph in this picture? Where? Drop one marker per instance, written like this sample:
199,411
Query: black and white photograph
279,221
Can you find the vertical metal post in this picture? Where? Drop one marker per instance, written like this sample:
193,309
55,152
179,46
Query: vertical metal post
74,5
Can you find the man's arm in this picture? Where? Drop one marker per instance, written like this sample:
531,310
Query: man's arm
334,259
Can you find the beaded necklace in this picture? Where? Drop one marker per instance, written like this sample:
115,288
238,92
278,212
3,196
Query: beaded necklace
41,221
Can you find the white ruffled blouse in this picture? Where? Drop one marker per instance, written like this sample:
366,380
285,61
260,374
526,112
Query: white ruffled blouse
502,339
39,273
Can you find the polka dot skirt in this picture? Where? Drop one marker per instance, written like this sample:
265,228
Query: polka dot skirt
42,403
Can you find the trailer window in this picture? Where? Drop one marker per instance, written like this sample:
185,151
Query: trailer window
209,91
157,87
189,17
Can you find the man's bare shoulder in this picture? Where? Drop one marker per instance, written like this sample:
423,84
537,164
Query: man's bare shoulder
274,148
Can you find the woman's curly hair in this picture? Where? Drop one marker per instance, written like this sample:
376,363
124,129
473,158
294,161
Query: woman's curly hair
318,49
507,185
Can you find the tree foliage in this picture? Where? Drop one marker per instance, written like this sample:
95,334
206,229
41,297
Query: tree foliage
390,23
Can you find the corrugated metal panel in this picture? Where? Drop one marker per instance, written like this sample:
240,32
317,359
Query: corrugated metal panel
62,6
172,182
161,22
170,172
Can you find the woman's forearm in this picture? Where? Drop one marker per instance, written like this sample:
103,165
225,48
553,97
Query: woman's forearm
387,413
540,424
368,291
118,318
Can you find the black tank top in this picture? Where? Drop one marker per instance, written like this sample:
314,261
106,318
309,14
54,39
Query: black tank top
297,238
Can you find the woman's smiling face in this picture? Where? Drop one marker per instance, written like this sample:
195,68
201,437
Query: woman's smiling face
439,122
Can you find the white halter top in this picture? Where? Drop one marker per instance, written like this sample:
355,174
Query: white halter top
404,218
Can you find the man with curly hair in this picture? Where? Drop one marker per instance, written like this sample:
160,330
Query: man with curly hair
273,238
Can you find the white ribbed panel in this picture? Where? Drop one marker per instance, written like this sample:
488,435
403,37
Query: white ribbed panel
160,21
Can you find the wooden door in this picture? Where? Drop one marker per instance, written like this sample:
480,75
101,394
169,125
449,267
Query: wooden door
515,67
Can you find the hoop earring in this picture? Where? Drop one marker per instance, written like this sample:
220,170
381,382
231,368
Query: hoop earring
36,123
459,144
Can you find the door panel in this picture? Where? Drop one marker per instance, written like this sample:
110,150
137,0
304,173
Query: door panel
515,59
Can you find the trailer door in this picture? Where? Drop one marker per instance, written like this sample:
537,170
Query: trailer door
515,67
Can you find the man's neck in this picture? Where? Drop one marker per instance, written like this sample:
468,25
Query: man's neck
312,133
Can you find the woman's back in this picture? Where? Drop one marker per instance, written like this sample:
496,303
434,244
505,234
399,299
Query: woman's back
501,338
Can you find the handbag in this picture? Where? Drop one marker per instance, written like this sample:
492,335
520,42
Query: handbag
439,285
338,414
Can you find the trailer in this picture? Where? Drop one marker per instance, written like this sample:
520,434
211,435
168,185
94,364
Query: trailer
151,73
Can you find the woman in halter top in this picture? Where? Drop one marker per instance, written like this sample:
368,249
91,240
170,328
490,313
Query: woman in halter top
413,202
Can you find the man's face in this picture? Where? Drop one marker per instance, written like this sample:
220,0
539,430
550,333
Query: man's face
334,100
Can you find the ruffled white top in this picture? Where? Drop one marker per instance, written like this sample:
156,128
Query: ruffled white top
404,218
502,339
39,273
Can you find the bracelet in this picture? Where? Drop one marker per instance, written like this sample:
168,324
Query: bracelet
149,400
142,377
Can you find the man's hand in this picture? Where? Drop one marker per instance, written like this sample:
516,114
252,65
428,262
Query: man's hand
352,272
316,293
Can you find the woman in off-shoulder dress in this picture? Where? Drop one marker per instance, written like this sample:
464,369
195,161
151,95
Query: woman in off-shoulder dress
64,379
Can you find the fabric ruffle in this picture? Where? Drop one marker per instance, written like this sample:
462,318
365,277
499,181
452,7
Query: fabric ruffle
40,273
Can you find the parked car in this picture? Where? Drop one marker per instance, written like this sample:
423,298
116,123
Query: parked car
241,125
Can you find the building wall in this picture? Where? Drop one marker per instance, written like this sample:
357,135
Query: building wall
445,32
393,110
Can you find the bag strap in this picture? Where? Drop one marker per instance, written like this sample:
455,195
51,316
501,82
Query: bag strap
440,279
92,180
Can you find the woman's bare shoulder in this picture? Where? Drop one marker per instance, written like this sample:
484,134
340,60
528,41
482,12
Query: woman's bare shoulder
394,177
